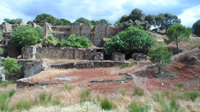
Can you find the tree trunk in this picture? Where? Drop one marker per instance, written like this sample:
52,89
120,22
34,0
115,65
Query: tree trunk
159,69
177,47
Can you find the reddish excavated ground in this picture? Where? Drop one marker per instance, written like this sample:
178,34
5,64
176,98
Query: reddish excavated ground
188,76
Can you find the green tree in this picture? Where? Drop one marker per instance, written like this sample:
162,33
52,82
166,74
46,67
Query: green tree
13,21
42,18
66,22
135,18
164,21
50,41
78,42
117,23
83,20
177,33
59,22
196,28
29,22
23,36
104,21
11,66
151,19
161,56
129,40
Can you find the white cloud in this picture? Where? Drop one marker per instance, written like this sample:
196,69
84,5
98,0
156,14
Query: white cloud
189,16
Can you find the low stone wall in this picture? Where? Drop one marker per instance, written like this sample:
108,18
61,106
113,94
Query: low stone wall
60,53
89,64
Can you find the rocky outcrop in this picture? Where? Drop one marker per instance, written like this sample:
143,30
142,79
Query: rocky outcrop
139,56
116,56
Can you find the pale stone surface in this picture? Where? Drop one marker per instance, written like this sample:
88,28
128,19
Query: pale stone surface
116,56
139,56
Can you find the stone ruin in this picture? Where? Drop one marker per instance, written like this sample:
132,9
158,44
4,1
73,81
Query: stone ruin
139,56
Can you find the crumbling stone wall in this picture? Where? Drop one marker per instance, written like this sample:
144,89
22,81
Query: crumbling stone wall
60,53
75,29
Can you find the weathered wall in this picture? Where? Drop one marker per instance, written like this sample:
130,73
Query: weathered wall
60,53
30,68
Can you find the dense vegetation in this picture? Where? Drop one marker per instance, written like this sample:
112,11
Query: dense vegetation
177,33
13,21
78,42
10,65
137,17
129,40
26,36
50,41
42,18
92,22
196,28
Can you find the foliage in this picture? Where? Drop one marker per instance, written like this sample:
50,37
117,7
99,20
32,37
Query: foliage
25,36
24,103
161,56
165,20
138,91
65,22
1,51
179,85
177,33
40,32
127,65
192,95
11,66
78,42
135,107
129,40
13,21
42,18
151,19
199,46
117,23
50,41
135,18
106,104
196,28
85,96
5,98
29,22
83,20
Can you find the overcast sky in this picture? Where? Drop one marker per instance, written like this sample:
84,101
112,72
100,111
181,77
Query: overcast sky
187,10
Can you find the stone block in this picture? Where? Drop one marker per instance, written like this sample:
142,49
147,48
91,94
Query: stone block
98,56
85,30
75,29
139,56
116,56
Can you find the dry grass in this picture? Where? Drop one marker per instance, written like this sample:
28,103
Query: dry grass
193,43
50,73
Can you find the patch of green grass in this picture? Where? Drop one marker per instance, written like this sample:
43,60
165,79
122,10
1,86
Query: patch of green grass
135,107
5,98
172,106
5,84
56,101
68,87
192,95
179,85
138,91
45,98
106,104
85,96
1,52
24,104
127,65
199,46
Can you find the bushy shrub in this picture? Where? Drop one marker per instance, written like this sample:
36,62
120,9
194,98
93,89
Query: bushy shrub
5,84
135,107
138,91
45,98
129,40
192,95
106,104
196,28
77,42
22,36
50,41
11,66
